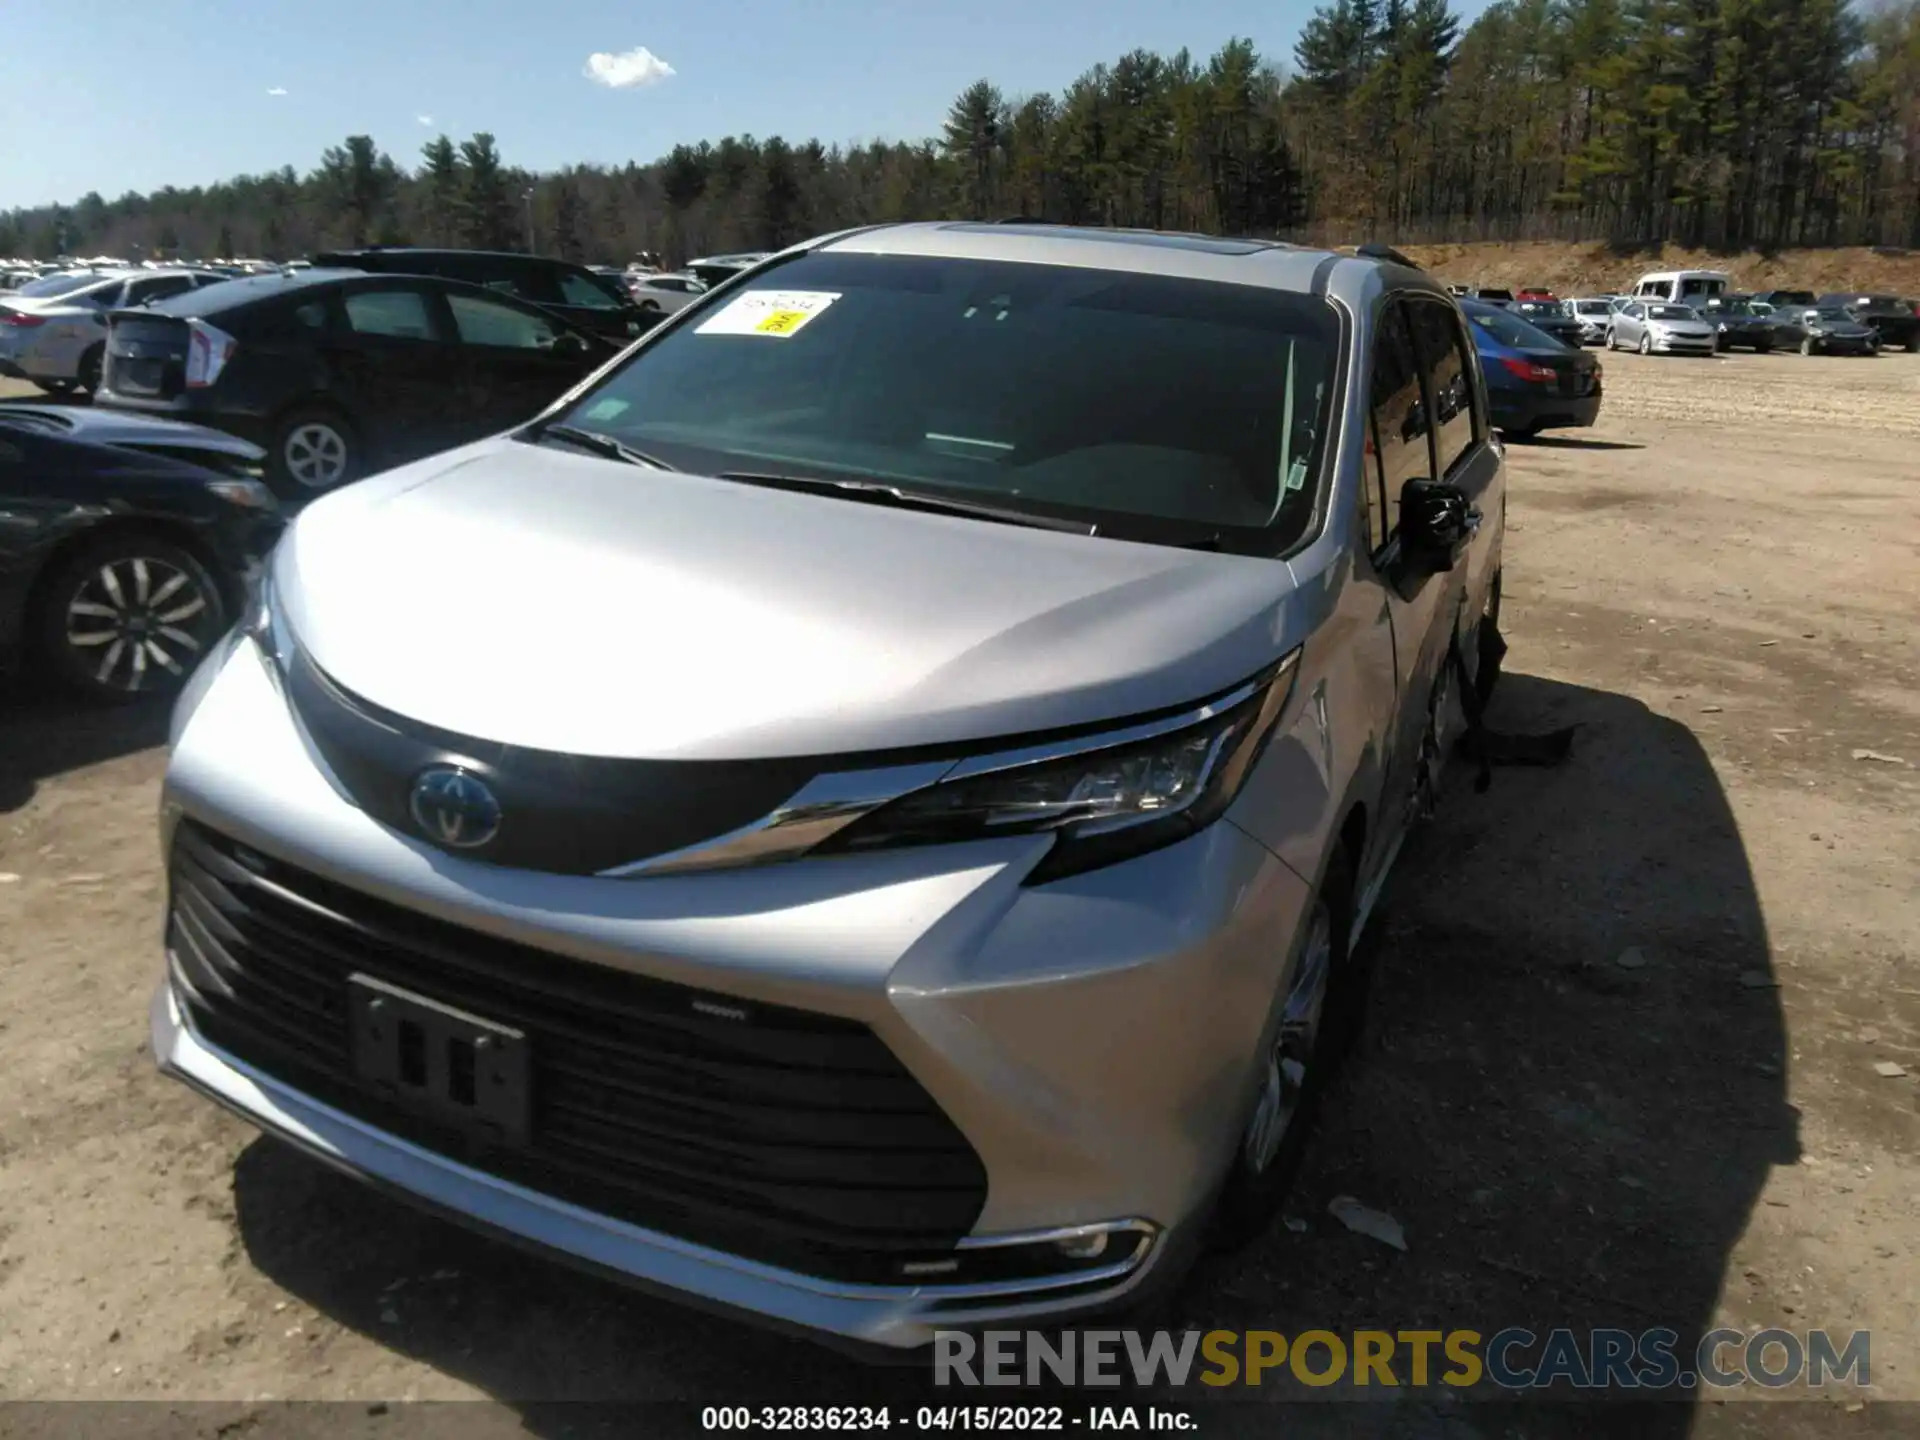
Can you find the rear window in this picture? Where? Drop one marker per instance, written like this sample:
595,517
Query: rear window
1510,330
48,286
1055,388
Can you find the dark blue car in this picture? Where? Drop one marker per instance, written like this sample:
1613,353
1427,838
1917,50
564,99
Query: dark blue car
1534,382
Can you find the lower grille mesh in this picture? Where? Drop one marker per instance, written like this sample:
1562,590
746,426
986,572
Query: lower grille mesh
791,1138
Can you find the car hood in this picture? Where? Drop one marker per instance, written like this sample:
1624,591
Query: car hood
534,597
1681,327
102,426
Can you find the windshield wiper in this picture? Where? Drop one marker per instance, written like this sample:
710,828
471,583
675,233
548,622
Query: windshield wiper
879,493
605,446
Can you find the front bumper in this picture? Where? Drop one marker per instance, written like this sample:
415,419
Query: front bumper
1683,344
1093,1039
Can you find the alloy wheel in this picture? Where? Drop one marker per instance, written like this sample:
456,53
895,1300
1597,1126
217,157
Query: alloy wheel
316,455
138,623
1290,1061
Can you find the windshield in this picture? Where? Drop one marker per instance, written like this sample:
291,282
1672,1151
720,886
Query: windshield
1670,312
1509,329
56,285
1833,314
1592,307
1112,397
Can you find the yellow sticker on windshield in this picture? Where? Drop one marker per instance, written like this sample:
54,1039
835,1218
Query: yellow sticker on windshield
778,313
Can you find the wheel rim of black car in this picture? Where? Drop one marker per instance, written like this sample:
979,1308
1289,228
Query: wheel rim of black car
137,623
316,455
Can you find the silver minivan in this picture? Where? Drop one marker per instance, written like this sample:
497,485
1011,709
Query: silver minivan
864,812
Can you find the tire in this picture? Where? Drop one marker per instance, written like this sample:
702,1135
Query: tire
127,617
1763,347
1806,345
1281,1112
1608,341
652,307
1646,343
1490,652
87,377
1913,343
314,450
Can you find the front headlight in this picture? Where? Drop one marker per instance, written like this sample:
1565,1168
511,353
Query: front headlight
1104,798
263,625
249,493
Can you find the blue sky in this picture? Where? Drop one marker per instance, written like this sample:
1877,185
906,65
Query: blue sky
113,95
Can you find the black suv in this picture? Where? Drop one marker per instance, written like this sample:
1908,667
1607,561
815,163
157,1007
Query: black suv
1895,319
338,373
592,302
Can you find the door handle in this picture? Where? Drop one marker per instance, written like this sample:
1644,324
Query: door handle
1473,518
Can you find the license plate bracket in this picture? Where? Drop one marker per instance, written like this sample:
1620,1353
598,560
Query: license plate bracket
458,1068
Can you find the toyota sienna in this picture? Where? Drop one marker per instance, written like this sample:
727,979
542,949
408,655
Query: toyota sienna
861,813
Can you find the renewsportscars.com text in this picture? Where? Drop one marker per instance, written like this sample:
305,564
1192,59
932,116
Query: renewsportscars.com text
1511,1359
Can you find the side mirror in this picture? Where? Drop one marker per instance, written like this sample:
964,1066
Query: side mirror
1436,523
569,345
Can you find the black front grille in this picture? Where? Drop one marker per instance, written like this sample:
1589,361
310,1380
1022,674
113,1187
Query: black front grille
788,1137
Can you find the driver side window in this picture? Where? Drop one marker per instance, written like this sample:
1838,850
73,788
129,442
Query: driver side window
1397,423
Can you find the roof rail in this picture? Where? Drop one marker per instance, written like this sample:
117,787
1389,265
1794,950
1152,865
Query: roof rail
1386,254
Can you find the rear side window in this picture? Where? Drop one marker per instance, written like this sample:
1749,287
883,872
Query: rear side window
481,322
1398,417
581,291
1443,359
140,291
397,314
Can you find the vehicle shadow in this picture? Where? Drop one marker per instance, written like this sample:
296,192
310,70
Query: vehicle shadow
1570,1095
43,734
1573,442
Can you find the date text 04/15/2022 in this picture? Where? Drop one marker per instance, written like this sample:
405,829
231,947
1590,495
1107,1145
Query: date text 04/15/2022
933,1419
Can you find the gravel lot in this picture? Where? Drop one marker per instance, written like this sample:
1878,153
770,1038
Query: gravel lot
1622,1069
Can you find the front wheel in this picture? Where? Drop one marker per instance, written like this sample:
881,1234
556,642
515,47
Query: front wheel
1646,344
1314,1021
1608,341
1762,347
127,617
1913,343
1807,346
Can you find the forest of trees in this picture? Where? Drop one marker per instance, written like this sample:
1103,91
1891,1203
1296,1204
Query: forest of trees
1722,123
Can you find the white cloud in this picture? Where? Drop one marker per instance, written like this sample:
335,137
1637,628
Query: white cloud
638,66
278,90
424,119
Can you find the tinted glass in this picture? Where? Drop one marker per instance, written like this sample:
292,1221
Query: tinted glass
401,314
481,322
1449,373
1398,411
584,290
1053,387
1509,329
156,289
1594,307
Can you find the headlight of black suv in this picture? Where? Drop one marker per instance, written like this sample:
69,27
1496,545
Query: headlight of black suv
1104,797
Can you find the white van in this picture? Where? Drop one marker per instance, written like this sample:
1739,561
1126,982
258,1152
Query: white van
1681,287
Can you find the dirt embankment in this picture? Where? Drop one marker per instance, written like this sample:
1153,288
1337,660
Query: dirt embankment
1590,267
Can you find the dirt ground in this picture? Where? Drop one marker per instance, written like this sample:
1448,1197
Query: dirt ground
1621,1068
1588,268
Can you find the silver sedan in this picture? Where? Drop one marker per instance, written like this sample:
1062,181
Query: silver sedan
1658,328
